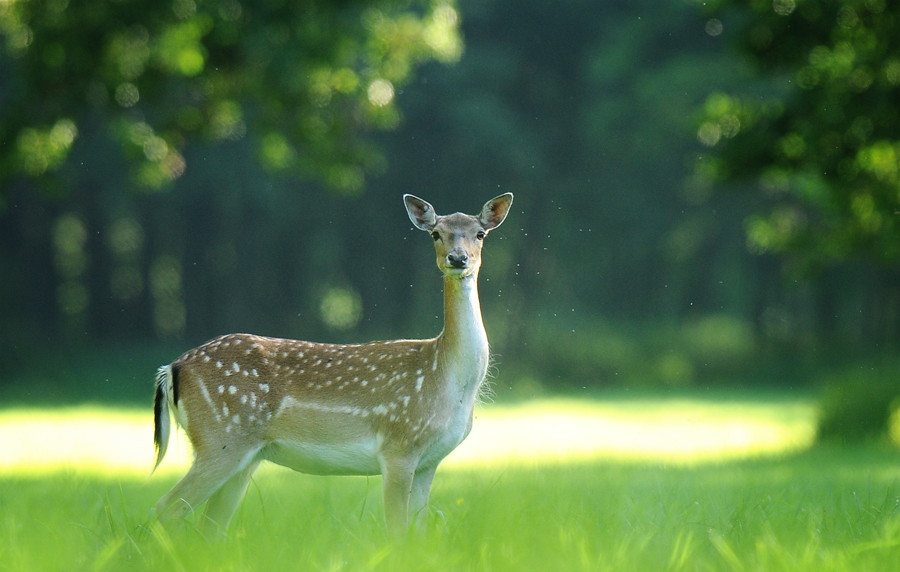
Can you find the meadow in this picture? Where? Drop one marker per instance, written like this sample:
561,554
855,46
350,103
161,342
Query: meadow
613,484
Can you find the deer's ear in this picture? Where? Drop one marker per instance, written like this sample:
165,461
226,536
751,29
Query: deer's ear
495,210
420,213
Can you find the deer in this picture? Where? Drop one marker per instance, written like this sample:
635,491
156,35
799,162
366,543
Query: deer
391,408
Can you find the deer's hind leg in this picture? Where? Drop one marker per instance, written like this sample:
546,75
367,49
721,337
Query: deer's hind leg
212,470
224,502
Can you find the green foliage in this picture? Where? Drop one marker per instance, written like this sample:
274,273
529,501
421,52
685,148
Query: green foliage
114,375
707,349
584,110
307,77
857,405
820,140
822,512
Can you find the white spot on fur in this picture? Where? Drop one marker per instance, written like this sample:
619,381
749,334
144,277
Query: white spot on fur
264,387
419,381
209,400
232,389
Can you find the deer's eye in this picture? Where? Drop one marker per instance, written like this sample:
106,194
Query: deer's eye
436,235
480,235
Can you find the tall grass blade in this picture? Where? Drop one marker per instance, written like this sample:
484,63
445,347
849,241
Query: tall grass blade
724,549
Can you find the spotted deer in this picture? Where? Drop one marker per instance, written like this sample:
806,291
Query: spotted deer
394,408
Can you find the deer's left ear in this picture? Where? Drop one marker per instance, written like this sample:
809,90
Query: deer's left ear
495,210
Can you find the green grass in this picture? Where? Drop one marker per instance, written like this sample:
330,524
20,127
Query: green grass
821,510
818,509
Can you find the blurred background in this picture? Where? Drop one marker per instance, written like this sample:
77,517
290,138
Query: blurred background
706,194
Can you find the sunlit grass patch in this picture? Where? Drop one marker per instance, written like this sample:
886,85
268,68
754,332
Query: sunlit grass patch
89,438
672,430
120,440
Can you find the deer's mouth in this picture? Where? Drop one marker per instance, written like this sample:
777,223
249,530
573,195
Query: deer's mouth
453,271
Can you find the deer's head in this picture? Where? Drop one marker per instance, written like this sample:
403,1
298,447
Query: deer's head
458,237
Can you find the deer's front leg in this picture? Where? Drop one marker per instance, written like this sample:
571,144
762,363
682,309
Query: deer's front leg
398,483
418,501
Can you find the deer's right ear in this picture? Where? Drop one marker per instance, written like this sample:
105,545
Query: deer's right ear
420,213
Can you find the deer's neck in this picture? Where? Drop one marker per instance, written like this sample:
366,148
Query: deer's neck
464,344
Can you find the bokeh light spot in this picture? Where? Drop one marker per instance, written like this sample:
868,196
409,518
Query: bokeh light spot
714,27
381,92
341,308
127,95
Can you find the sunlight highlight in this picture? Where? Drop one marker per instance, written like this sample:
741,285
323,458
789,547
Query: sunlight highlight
673,431
91,439
120,441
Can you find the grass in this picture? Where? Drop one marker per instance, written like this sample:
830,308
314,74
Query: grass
726,505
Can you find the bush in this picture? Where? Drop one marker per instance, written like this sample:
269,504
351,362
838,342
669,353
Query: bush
857,404
712,348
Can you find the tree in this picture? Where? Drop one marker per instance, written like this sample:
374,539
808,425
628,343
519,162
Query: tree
306,76
822,138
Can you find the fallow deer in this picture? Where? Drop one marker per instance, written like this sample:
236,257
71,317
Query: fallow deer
394,408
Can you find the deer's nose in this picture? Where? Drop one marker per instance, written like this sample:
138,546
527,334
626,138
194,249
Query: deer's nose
458,258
